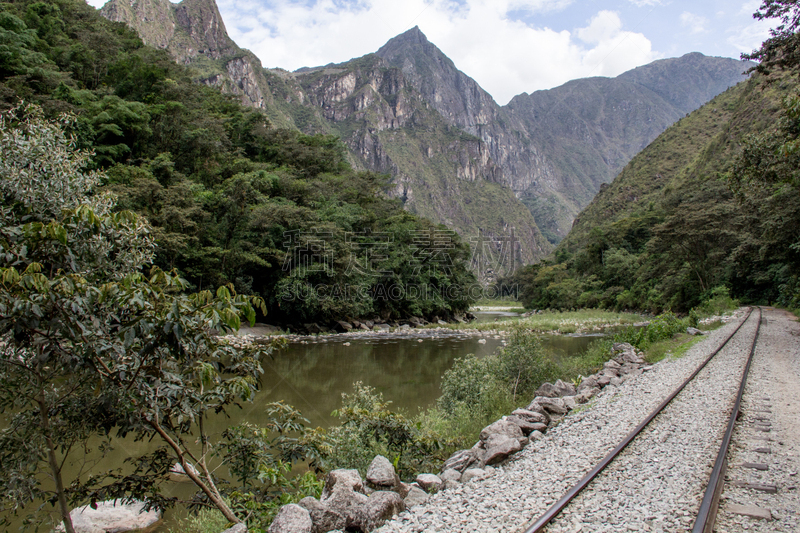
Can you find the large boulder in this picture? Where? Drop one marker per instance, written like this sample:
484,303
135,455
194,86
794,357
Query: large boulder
430,483
343,326
525,424
112,515
291,519
554,406
349,504
381,474
324,518
415,496
380,507
548,390
501,439
342,478
586,394
476,474
587,383
539,417
503,427
461,460
564,388
451,475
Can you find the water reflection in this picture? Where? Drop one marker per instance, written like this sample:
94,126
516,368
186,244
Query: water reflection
312,377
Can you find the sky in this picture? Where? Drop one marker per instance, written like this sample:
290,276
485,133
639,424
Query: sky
507,46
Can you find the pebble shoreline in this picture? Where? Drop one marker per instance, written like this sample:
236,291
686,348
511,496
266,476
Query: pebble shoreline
525,486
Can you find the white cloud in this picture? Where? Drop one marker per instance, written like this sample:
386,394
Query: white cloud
539,6
642,3
505,56
695,23
747,38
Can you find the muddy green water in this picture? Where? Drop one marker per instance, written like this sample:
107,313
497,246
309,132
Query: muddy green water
312,377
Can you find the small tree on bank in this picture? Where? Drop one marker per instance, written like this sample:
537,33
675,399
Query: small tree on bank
88,343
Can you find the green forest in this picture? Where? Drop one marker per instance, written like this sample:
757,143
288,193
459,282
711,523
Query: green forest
231,200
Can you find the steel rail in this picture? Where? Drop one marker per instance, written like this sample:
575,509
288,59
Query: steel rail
557,507
707,514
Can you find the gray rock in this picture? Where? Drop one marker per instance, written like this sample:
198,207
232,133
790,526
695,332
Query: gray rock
112,515
461,460
241,527
291,519
633,358
694,331
535,435
532,416
525,424
343,478
603,381
474,474
628,368
323,518
349,504
430,483
451,475
313,328
586,395
570,402
588,383
548,390
565,389
344,326
554,406
415,496
502,427
380,507
499,448
381,474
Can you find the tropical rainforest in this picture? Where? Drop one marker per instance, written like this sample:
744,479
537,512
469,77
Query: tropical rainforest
231,199
708,208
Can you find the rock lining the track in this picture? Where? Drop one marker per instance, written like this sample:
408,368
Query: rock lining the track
525,486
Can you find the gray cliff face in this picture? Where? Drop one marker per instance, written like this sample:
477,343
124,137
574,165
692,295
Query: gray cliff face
194,34
154,20
464,104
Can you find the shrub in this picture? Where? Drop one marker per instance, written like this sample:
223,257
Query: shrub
522,366
718,301
370,428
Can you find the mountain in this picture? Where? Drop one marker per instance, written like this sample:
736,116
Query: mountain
454,155
672,228
590,128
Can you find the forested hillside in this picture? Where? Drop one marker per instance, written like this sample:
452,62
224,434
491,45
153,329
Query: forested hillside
690,216
232,199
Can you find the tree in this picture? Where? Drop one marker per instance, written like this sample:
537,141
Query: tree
88,343
782,50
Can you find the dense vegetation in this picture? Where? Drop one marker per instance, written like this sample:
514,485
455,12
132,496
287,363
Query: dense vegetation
710,205
232,200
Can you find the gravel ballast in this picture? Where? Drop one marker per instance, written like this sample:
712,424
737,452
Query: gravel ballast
522,488
771,402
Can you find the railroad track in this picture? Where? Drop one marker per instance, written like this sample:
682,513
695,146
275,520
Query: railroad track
632,467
